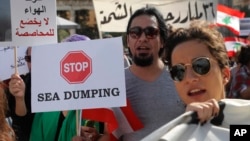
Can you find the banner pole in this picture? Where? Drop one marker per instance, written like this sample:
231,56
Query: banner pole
15,60
78,122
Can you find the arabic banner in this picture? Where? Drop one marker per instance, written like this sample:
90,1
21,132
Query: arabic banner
78,75
28,22
7,62
180,13
113,15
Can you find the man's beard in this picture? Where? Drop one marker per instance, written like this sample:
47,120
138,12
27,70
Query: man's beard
143,60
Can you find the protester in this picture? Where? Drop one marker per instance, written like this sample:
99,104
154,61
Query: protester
199,67
240,85
6,132
233,71
61,125
27,58
19,101
198,64
149,87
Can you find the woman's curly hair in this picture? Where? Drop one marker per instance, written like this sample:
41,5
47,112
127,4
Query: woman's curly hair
6,132
203,32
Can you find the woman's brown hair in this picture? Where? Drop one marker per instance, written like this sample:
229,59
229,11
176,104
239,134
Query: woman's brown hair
6,132
201,31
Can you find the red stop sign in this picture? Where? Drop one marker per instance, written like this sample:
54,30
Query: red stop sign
75,67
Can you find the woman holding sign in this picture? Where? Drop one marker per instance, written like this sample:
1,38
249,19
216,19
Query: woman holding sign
19,101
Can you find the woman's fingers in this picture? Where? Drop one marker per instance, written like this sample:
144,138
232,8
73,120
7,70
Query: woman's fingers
205,110
89,133
16,85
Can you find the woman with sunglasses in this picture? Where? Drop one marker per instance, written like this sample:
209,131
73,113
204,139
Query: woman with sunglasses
198,64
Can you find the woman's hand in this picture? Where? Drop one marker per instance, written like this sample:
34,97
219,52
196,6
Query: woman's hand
17,86
87,134
205,110
17,89
78,138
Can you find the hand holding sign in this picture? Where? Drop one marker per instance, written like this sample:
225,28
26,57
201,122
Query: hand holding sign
17,89
17,86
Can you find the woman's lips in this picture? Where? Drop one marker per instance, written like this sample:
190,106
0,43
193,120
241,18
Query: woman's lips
196,92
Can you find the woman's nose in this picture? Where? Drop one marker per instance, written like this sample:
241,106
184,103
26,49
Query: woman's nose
190,75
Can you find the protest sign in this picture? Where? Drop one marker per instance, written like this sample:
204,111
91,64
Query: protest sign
28,22
78,75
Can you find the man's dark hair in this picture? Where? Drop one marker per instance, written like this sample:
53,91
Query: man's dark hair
244,55
151,11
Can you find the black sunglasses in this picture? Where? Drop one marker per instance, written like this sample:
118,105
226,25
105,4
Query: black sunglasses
27,58
136,32
200,66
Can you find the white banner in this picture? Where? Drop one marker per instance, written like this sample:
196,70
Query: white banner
113,15
28,22
186,128
78,75
180,13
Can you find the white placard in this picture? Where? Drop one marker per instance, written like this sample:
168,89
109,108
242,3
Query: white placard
103,87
